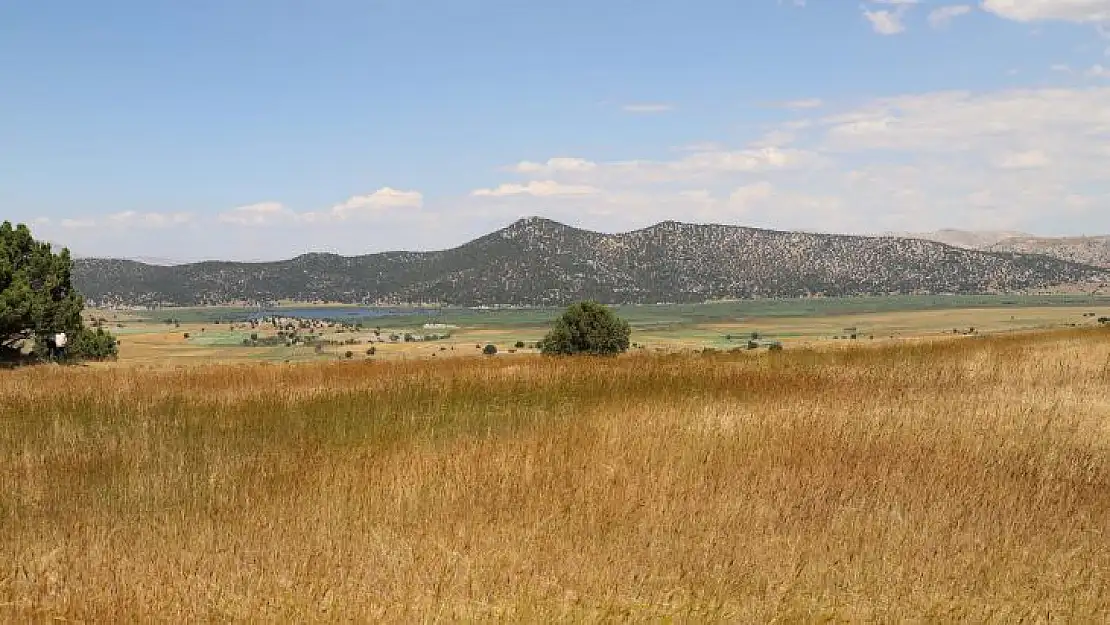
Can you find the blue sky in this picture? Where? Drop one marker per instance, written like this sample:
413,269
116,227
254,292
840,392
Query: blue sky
266,128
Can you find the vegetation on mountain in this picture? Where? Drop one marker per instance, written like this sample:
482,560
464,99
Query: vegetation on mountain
541,262
1087,250
587,328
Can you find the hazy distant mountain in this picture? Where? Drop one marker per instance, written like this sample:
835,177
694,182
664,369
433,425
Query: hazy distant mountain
538,261
1087,250
969,239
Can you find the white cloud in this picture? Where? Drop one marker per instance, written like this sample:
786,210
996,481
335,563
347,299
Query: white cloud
373,205
370,205
746,195
889,21
885,22
1029,159
808,103
940,17
1013,158
765,155
648,108
133,219
559,164
78,224
536,188
1097,71
1061,10
260,214
954,121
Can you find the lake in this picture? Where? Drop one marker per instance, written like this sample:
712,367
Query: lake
345,313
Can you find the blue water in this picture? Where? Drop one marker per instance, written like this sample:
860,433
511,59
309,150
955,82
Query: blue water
340,313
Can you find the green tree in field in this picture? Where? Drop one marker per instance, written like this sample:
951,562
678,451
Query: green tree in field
38,300
96,344
587,328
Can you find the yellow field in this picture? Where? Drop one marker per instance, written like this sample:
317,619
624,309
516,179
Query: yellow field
959,480
153,344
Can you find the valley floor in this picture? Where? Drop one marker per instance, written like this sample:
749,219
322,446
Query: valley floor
963,479
196,338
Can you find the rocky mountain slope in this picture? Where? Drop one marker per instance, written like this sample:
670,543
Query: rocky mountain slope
970,239
538,261
1088,250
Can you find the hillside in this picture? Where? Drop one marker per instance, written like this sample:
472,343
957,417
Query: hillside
1087,250
969,239
538,261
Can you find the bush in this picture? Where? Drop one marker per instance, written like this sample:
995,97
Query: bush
519,345
490,349
587,328
349,354
95,344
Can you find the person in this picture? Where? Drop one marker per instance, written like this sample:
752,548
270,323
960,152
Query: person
60,342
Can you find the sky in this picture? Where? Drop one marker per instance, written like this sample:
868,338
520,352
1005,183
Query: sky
263,129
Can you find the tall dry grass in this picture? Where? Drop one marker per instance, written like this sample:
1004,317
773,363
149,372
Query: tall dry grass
967,480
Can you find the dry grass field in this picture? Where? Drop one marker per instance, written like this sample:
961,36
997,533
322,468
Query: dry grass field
959,480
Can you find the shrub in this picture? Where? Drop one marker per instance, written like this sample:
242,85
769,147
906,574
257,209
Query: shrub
95,344
186,335
349,354
587,328
490,349
519,345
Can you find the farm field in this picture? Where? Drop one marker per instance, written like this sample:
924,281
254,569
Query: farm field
148,339
956,479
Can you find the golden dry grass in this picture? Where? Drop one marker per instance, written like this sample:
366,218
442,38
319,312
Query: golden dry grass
967,480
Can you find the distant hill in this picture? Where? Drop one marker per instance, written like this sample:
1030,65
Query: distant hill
1088,250
969,239
541,262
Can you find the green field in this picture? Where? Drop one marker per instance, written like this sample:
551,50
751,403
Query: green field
662,315
198,335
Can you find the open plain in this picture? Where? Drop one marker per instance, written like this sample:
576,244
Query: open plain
958,479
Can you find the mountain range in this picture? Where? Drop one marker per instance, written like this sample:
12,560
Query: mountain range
536,261
1092,250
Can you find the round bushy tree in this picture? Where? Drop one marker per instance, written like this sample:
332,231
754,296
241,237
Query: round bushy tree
490,350
37,298
587,328
94,345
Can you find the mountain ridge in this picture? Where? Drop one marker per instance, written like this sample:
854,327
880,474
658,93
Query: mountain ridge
539,261
1088,250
